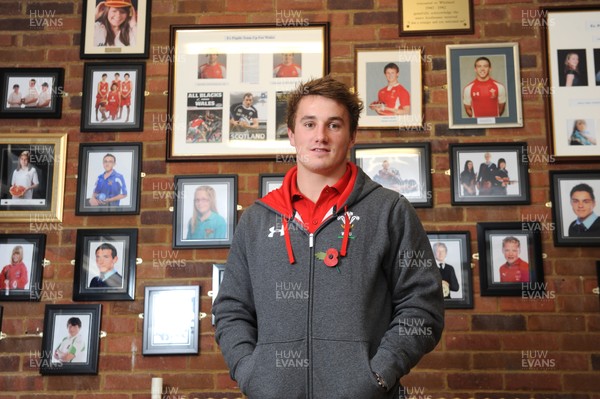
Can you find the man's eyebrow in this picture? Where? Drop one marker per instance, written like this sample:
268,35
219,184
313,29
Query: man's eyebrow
330,119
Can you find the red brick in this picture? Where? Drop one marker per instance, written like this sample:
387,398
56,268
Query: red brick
475,381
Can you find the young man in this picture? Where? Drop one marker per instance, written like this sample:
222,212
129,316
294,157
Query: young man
486,175
449,280
45,97
72,348
393,99
244,115
484,97
287,68
515,270
31,98
212,69
326,272
15,99
110,187
583,202
106,258
125,97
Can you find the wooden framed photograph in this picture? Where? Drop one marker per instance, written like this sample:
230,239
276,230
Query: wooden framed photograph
32,168
573,70
217,278
113,97
484,86
452,250
115,29
390,84
489,173
510,259
269,182
227,85
31,92
450,17
105,264
71,340
404,168
205,211
22,266
109,179
167,332
576,220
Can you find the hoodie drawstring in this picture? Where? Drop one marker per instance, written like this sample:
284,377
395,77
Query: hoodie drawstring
288,242
344,249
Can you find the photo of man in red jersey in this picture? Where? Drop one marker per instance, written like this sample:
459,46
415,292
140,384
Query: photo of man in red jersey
484,96
212,68
288,68
393,99
515,269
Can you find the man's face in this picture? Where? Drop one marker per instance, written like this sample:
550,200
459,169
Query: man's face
108,163
31,83
288,58
482,70
487,156
105,261
391,75
73,330
248,100
511,252
16,257
213,58
583,204
321,135
440,253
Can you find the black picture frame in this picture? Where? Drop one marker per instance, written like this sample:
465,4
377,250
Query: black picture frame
88,284
496,279
167,332
487,189
1,315
32,248
45,172
219,230
456,262
414,159
98,113
217,277
268,182
463,92
86,347
563,210
48,83
126,175
93,36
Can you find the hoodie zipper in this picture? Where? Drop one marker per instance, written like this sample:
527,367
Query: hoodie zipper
311,268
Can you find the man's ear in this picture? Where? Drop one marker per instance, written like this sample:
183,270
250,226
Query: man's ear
292,138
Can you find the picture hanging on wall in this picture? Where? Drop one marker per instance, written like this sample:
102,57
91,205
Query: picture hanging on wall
484,86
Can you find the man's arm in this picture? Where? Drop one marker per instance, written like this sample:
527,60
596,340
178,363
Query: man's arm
501,99
235,314
416,298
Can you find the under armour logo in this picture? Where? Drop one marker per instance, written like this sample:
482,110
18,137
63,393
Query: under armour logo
274,230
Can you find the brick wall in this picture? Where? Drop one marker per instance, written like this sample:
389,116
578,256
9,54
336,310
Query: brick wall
480,354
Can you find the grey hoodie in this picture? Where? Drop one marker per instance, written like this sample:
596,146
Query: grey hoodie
311,331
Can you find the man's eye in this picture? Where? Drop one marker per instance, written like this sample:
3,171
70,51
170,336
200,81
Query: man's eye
309,124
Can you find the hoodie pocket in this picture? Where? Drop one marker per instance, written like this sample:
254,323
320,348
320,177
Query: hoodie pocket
279,371
341,370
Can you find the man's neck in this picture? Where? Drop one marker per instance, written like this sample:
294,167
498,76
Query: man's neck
311,184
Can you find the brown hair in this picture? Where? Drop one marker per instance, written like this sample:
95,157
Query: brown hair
328,88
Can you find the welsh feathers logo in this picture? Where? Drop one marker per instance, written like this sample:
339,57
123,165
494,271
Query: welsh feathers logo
353,218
